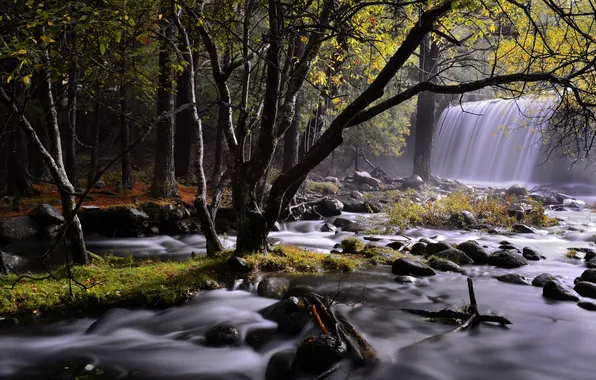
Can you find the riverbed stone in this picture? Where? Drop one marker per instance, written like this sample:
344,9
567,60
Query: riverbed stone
433,248
280,365
591,263
522,229
409,267
517,190
328,227
238,265
258,338
418,249
513,278
223,335
455,255
541,280
329,207
365,178
443,265
474,251
396,245
507,259
531,254
17,228
315,354
355,227
586,305
463,219
585,289
342,222
299,290
44,215
589,275
412,182
273,287
405,279
355,194
557,291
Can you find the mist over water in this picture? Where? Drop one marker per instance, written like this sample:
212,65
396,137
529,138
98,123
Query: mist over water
491,140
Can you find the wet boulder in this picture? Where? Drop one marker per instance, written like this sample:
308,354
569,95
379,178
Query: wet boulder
342,222
355,227
288,314
463,219
507,259
273,287
541,280
557,291
333,180
327,227
513,278
396,245
316,354
362,207
115,221
18,228
443,265
329,207
366,178
474,251
299,290
531,254
258,338
455,255
522,229
517,190
418,249
405,279
589,275
585,289
405,266
412,182
433,248
223,335
44,215
280,366
590,306
356,195
591,263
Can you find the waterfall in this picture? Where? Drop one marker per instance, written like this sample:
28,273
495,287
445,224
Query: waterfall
492,140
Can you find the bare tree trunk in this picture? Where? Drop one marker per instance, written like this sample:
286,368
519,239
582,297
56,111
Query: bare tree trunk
164,181
425,110
292,139
184,128
70,132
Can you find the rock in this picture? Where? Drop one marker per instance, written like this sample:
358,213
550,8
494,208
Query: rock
516,211
474,251
507,259
418,249
591,263
590,253
542,279
315,354
356,195
444,265
332,180
590,306
366,178
238,265
405,279
327,227
366,207
585,289
412,182
223,335
311,214
342,222
408,267
513,278
517,190
397,245
522,229
455,255
354,227
280,366
258,338
120,221
288,314
299,291
574,204
531,254
273,287
462,219
50,231
433,248
329,207
45,214
589,275
557,291
373,207
508,246
17,228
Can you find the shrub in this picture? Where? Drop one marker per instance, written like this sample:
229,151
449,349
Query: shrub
326,188
352,245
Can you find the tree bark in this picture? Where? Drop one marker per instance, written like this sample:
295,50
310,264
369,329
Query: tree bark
93,165
425,110
184,128
70,132
292,139
126,178
164,181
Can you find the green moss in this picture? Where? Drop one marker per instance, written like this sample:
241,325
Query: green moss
352,245
405,212
326,188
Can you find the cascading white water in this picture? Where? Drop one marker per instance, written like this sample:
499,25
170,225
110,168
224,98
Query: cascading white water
492,140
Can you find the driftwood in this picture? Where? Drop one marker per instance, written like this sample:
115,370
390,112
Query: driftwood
470,318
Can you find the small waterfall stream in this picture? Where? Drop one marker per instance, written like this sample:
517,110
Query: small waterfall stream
492,140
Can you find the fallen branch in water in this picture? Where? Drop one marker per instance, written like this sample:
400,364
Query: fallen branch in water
467,319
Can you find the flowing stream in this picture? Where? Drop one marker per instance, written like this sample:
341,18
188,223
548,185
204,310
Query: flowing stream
547,340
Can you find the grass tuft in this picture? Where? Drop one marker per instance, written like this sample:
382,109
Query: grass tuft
325,188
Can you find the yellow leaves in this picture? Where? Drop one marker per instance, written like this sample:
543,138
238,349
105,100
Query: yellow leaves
27,80
19,52
46,39
9,79
159,16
